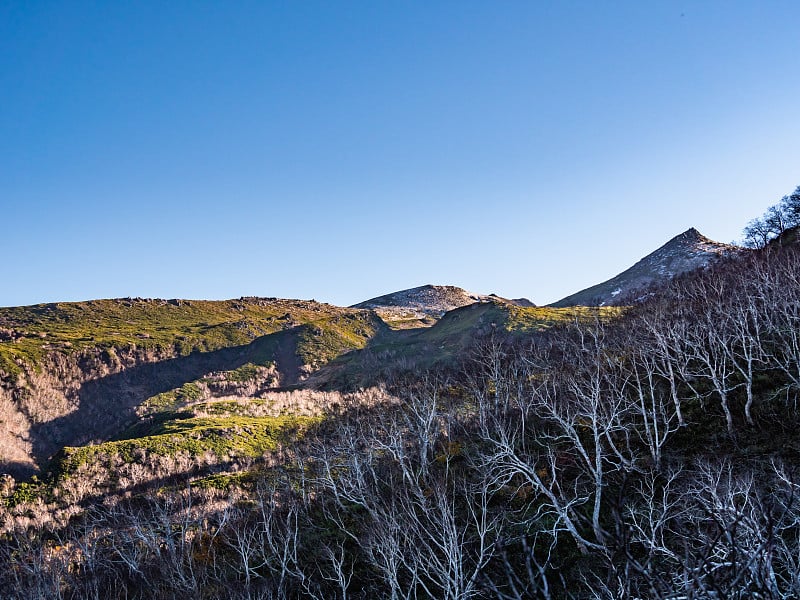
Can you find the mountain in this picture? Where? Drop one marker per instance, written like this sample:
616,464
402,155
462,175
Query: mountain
686,252
424,305
82,372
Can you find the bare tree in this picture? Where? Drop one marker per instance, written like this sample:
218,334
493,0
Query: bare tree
790,207
657,415
757,234
776,220
423,527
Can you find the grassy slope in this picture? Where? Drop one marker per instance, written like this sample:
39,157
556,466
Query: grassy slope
447,342
454,332
228,431
203,336
181,326
224,436
458,328
184,326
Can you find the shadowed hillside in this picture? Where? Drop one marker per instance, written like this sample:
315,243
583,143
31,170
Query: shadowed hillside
75,372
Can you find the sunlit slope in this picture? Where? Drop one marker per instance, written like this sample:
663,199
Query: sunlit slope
179,327
450,342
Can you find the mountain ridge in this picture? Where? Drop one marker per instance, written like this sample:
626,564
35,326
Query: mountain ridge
685,252
423,305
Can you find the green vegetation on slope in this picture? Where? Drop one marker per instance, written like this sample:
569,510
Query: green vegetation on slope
225,437
29,333
538,318
450,340
173,399
319,344
458,328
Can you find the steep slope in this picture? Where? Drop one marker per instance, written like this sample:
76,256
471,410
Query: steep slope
424,305
72,373
686,252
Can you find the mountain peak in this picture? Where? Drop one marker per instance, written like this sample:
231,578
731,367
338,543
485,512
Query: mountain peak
685,252
692,242
690,236
432,296
424,305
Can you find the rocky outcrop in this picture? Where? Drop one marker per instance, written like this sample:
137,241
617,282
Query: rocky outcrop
423,306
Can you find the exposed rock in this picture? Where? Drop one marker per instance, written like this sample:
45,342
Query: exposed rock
9,335
422,306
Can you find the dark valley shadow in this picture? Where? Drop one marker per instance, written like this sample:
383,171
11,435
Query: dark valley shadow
20,471
107,405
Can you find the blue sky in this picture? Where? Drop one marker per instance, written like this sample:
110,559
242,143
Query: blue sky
341,150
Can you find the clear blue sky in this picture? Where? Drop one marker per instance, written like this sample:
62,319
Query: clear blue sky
341,150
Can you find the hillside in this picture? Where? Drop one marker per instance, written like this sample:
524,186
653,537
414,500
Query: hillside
71,373
84,372
448,343
422,306
684,253
639,452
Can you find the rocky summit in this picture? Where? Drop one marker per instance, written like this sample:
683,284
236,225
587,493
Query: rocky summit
686,252
424,305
